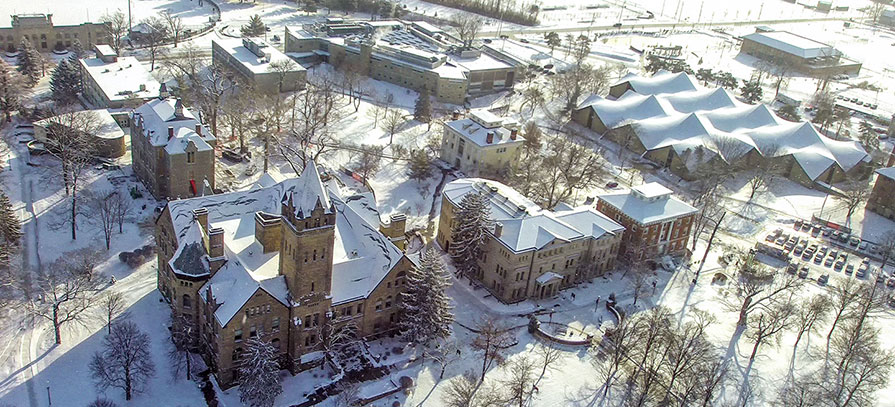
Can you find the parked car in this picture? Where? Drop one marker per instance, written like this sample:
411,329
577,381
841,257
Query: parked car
865,261
798,249
854,241
826,232
843,238
806,226
839,264
863,246
612,184
815,230
829,261
822,280
849,269
862,271
803,273
797,225
818,258
792,268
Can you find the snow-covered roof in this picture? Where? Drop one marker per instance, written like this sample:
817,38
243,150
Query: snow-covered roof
714,123
122,79
107,127
159,114
309,193
888,172
249,59
648,204
475,132
523,224
793,44
362,256
662,82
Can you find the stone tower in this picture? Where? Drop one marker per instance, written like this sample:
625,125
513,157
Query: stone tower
306,248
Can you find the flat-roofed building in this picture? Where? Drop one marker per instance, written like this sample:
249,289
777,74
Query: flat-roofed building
532,253
801,53
656,223
481,144
115,82
46,36
257,62
414,55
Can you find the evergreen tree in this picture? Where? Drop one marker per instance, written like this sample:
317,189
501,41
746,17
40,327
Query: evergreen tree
259,375
469,233
65,82
751,91
553,40
255,28
10,225
868,137
789,112
77,50
10,90
726,80
420,167
426,308
29,62
422,112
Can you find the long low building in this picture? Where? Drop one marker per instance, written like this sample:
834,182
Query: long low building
115,82
686,130
803,54
533,253
261,65
414,55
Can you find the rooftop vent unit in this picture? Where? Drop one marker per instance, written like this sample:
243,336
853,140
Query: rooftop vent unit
256,47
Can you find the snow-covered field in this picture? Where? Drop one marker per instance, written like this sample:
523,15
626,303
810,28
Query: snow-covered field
30,365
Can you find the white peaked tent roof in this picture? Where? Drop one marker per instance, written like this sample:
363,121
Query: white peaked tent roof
662,82
715,122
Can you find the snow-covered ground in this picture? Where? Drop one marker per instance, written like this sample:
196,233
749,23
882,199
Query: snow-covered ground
77,12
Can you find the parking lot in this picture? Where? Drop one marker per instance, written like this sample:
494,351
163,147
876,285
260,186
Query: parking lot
822,254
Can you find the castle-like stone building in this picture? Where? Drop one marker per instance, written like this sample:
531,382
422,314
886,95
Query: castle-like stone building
278,263
173,152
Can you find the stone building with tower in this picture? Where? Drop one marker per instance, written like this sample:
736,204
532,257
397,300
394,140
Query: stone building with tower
46,36
532,253
172,151
279,263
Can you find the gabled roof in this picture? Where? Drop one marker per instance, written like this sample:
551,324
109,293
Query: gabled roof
714,123
362,257
524,225
159,114
888,172
662,82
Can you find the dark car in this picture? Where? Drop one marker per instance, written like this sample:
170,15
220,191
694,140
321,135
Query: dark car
803,273
612,184
822,280
617,25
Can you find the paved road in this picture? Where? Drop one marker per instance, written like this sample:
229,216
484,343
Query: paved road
644,25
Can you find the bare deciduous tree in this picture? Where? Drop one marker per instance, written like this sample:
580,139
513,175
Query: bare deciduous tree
755,285
175,26
367,160
852,198
125,362
112,305
519,382
771,320
62,294
154,39
809,314
70,139
466,391
492,340
468,27
565,168
121,208
392,122
183,341
102,209
116,28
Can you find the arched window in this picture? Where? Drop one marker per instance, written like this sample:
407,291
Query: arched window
187,301
379,304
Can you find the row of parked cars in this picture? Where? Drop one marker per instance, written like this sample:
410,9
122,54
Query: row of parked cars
858,102
836,237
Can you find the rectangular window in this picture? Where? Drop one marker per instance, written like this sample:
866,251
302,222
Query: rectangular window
253,331
275,324
237,335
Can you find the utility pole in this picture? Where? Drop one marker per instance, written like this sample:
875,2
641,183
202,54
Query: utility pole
129,21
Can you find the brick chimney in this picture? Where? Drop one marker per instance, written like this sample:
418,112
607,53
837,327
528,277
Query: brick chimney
178,109
198,129
455,115
513,133
490,137
201,215
498,229
170,132
215,243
